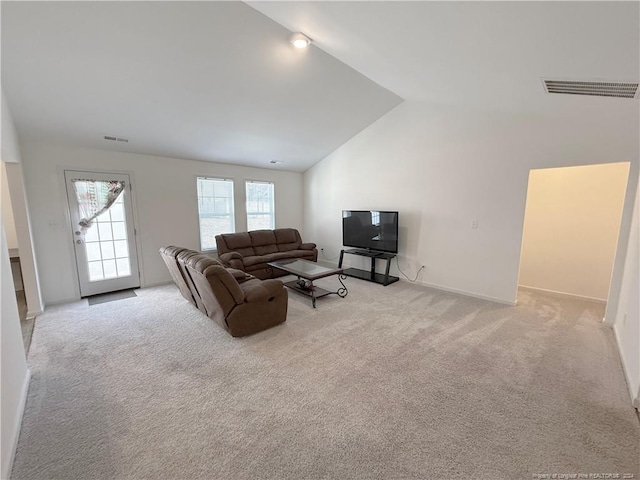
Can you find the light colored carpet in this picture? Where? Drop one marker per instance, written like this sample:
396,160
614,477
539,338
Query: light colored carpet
397,382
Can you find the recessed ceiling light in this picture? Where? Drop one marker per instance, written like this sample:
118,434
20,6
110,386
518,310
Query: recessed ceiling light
300,40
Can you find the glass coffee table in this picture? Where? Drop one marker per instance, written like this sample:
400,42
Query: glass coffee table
307,272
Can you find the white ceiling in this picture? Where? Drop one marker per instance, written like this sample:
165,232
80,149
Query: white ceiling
479,55
218,81
214,81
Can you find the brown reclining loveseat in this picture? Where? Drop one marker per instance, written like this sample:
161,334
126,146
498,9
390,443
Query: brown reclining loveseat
251,251
239,302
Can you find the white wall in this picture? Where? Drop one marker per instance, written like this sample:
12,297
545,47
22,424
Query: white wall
442,169
165,202
9,149
571,228
15,375
627,322
13,366
7,212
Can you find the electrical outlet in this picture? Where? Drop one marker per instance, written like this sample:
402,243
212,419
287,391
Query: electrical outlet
474,223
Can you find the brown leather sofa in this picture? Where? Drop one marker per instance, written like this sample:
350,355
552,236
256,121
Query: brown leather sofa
239,302
251,251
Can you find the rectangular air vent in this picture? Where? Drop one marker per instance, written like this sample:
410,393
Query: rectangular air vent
598,88
116,139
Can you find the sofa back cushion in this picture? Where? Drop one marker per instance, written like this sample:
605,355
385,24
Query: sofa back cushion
182,263
263,241
216,286
170,256
237,242
259,242
287,239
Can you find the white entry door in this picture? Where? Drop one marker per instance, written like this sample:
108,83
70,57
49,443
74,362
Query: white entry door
105,247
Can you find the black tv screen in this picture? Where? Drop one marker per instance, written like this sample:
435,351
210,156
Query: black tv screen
370,229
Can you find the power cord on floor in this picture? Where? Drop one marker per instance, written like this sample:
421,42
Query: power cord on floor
405,275
327,258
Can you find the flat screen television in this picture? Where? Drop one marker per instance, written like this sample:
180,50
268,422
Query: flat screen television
371,230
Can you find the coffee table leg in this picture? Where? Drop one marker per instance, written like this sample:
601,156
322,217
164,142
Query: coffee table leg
313,294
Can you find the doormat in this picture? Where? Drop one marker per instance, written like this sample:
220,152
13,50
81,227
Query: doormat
111,297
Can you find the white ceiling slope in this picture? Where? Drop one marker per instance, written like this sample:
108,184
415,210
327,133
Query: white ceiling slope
214,81
478,55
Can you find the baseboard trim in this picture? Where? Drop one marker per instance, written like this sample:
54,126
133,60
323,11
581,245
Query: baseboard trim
17,424
564,294
635,401
157,284
33,314
463,292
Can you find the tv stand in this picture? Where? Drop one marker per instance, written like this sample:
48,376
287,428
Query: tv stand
371,275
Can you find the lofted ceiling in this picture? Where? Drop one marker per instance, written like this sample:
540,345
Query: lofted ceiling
213,81
218,81
476,54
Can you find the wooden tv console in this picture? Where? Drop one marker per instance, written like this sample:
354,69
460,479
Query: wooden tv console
370,275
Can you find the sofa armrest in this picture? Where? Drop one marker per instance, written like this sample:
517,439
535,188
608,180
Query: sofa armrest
263,291
307,246
239,275
232,260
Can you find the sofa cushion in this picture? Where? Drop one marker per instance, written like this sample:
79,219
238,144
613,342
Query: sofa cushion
266,250
261,238
287,247
264,242
286,235
254,259
239,242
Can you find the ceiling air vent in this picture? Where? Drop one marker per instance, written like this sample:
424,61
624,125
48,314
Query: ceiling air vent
599,88
116,139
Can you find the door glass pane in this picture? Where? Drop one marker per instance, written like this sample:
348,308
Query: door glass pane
91,235
95,271
124,267
104,231
93,251
105,217
117,211
119,231
121,249
107,250
109,267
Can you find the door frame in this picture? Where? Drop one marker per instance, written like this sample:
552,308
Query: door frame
67,224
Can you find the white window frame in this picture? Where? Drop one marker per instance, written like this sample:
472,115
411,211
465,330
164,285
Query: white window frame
231,214
273,201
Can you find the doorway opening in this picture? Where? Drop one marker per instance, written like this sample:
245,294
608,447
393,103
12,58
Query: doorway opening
16,257
571,228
